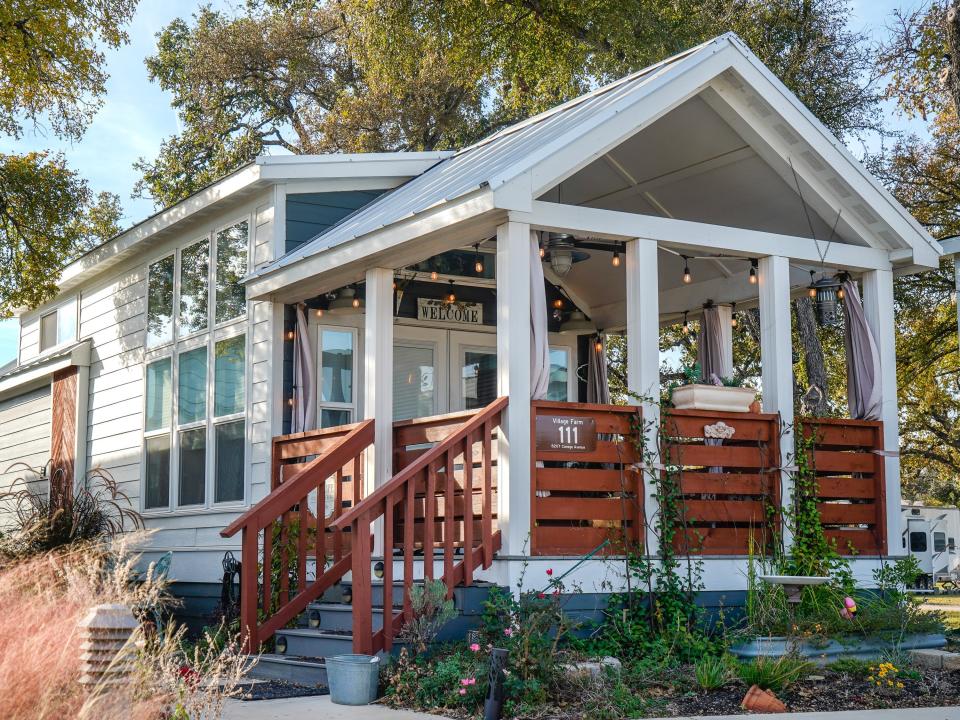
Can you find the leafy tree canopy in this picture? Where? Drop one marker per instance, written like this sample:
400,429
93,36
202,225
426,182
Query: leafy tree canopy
51,73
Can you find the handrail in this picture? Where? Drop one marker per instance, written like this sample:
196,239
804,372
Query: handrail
396,503
437,451
285,512
300,484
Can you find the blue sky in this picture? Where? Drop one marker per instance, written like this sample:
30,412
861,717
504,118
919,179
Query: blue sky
136,115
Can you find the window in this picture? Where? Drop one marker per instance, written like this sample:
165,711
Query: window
160,302
195,385
939,542
58,326
918,542
951,544
558,387
336,374
231,269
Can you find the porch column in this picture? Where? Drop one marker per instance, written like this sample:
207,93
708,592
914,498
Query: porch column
878,309
514,349
378,376
643,363
776,359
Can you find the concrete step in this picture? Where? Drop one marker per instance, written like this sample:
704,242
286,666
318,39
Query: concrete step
467,600
312,643
300,670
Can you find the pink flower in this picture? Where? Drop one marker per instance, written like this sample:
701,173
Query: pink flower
556,592
463,691
540,596
508,632
475,647
468,681
549,571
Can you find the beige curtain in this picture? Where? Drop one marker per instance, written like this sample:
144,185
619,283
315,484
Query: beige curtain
598,386
863,358
304,377
715,344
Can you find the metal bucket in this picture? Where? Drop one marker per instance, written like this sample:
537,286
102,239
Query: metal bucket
353,679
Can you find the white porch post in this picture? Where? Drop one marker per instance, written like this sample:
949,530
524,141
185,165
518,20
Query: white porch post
378,381
878,309
776,358
514,348
643,362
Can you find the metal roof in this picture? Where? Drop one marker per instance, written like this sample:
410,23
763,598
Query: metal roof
491,161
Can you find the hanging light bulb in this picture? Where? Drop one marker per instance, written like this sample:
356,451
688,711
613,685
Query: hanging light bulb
733,315
543,251
478,262
434,274
840,294
356,302
615,261
558,303
451,297
686,326
687,277
290,335
812,290
598,344
319,312
753,272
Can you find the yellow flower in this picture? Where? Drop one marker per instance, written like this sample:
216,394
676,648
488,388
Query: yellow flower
900,685
870,678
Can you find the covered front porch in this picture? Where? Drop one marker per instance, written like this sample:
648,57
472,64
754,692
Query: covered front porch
439,335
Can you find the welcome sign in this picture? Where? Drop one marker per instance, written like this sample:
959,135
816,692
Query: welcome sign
430,310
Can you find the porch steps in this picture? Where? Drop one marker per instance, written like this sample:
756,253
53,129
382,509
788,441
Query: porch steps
302,662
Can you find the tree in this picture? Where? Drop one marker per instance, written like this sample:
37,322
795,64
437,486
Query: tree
51,71
922,62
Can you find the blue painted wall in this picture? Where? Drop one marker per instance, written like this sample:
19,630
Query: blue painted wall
309,214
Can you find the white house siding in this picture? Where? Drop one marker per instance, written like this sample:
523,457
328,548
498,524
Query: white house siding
24,441
113,316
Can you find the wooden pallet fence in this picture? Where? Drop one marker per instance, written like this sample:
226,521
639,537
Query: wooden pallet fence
728,487
849,466
580,498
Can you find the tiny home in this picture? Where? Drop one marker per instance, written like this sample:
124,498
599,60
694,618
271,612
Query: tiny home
930,534
384,367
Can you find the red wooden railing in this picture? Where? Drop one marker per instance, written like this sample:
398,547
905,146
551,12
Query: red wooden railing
578,499
433,502
291,531
849,465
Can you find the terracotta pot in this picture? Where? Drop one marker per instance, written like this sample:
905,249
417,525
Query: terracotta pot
762,701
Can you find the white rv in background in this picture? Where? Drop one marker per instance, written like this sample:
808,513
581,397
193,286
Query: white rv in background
930,535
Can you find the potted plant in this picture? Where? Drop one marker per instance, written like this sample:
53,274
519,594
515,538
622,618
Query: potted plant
721,395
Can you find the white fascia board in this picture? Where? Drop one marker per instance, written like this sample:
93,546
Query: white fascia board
359,165
695,236
161,221
43,368
835,153
664,90
442,217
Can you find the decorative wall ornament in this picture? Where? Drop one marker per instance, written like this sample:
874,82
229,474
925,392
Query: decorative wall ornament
718,431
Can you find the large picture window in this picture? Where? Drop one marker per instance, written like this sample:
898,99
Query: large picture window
195,378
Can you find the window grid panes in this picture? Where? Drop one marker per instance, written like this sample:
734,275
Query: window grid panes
195,394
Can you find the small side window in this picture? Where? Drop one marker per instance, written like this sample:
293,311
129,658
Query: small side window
59,326
918,542
951,544
939,542
48,331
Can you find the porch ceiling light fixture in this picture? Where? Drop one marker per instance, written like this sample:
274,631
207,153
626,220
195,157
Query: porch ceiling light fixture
577,324
451,296
477,260
345,303
687,277
562,253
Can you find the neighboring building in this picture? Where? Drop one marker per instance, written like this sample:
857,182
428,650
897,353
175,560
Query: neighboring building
930,535
693,184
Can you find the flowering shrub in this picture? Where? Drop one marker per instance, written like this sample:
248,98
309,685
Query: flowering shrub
885,676
454,676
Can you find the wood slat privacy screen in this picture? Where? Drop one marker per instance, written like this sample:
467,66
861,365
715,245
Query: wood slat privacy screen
729,488
580,499
849,465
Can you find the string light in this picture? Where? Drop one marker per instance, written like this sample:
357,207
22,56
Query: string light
434,274
558,303
733,315
753,272
615,261
687,277
290,335
319,312
543,251
812,291
452,297
598,344
478,262
840,294
356,302
686,326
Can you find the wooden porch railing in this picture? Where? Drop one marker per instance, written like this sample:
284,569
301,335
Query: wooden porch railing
291,531
578,499
434,502
849,465
726,487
